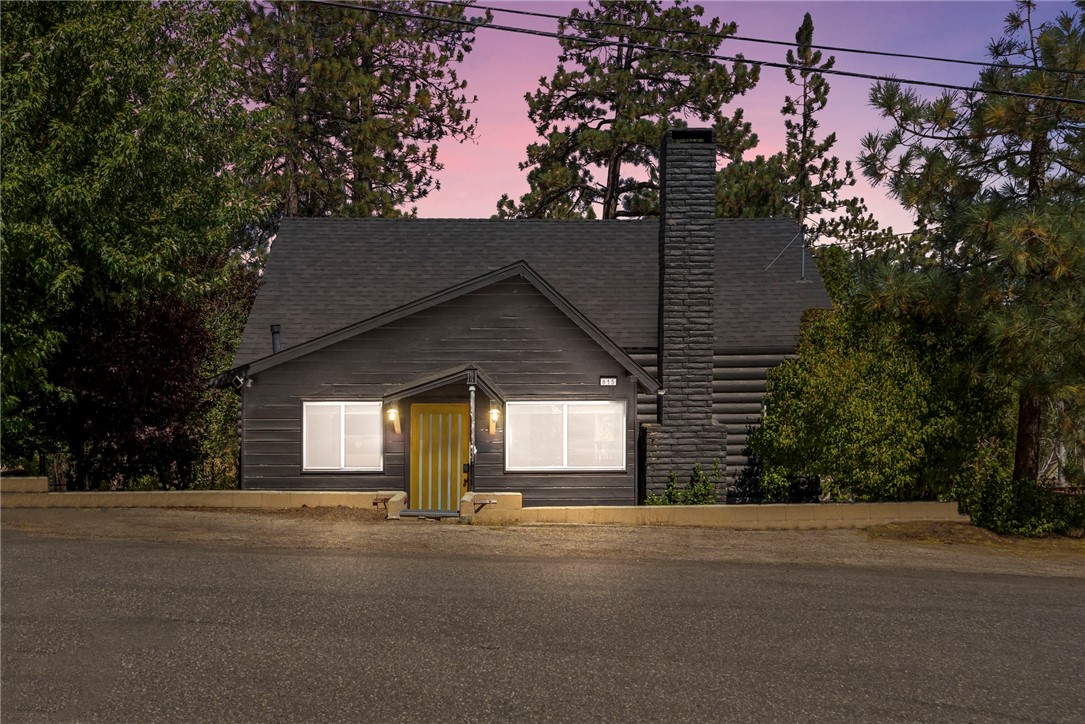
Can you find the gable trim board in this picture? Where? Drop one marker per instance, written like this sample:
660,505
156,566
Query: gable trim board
530,310
469,375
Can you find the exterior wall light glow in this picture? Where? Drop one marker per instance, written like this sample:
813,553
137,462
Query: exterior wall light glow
393,417
495,413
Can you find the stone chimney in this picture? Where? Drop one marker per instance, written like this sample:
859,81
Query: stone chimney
685,433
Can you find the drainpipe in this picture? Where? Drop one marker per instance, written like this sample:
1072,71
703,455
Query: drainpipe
471,456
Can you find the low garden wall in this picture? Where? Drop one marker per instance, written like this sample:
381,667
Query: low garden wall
506,508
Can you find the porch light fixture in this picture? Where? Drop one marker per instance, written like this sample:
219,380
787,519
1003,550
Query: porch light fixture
393,417
495,413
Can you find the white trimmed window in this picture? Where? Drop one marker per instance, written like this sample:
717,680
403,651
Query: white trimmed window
572,435
342,436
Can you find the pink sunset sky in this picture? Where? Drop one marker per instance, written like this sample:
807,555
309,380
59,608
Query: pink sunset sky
504,66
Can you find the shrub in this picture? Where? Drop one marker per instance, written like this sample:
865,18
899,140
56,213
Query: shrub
760,483
987,493
700,490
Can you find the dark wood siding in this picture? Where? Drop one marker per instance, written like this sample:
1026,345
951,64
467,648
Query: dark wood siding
579,488
528,347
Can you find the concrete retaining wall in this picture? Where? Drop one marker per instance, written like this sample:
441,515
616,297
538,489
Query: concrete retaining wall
506,508
396,499
763,517
501,508
24,484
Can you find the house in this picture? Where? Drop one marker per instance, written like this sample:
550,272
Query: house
576,362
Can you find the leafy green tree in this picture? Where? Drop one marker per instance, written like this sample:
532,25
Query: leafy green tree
851,413
869,405
360,102
600,116
997,185
137,403
123,128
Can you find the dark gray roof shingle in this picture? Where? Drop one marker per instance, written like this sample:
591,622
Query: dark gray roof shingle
325,274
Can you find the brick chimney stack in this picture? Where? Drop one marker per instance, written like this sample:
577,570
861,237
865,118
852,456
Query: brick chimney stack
685,434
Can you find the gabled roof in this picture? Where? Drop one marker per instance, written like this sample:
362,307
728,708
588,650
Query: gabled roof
325,274
471,374
519,268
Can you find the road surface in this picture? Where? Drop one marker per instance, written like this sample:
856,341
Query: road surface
133,630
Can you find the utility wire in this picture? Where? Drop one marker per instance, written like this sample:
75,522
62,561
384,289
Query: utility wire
731,59
747,39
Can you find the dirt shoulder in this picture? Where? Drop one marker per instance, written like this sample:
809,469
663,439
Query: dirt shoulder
919,546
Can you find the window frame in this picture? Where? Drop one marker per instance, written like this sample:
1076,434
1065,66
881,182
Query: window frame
565,468
342,404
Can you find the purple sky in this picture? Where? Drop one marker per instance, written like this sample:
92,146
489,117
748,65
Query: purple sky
505,66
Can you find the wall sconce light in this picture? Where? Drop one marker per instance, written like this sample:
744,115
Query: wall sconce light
393,417
495,412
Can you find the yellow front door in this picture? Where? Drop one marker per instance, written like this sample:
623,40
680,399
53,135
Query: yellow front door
440,447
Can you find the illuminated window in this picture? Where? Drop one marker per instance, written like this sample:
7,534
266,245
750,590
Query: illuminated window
342,436
574,435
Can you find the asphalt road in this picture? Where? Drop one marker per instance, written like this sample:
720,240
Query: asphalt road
127,631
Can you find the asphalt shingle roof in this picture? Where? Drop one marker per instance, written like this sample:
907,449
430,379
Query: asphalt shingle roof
325,274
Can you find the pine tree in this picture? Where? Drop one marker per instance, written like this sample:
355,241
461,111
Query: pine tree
360,101
803,181
601,115
815,177
997,185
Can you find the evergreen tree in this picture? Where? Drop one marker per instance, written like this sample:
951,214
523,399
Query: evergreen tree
815,177
360,100
606,107
997,185
754,188
803,181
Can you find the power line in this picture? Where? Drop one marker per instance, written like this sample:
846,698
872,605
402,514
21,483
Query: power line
731,59
748,39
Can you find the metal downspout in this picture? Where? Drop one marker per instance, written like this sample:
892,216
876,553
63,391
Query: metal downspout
471,457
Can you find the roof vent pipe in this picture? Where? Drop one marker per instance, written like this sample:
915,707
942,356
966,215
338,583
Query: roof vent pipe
276,340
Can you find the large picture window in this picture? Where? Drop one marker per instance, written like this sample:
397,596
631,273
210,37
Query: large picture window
342,436
571,435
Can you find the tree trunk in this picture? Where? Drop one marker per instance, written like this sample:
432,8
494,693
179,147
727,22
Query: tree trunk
79,464
1026,459
291,206
611,194
1026,463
